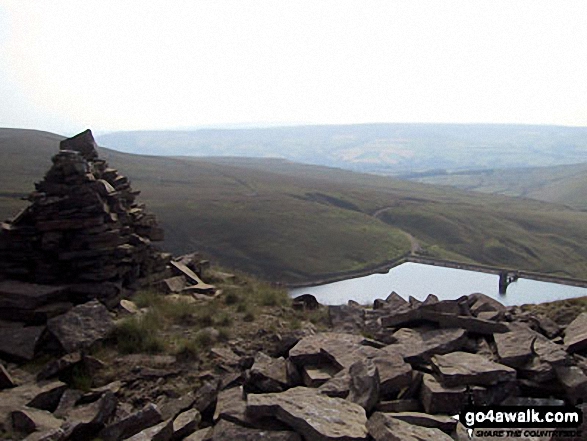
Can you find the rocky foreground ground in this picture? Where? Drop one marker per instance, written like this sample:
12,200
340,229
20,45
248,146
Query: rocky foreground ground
395,371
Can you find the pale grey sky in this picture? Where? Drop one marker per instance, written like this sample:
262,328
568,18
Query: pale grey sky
119,65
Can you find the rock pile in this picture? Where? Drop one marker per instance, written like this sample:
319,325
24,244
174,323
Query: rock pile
83,229
421,364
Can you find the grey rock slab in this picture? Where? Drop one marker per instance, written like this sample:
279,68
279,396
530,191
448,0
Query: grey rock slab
515,348
57,367
83,422
20,343
227,431
548,351
172,407
132,424
201,435
313,349
81,327
437,398
268,374
483,303
576,334
471,324
46,435
316,376
316,416
27,420
445,423
345,318
406,405
185,424
48,395
536,370
463,368
383,427
492,395
364,384
574,382
160,432
6,380
338,386
29,296
394,372
416,345
231,406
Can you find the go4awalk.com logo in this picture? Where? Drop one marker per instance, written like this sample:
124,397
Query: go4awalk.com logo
520,421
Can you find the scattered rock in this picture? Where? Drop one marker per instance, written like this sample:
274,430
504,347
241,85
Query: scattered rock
437,398
31,420
268,374
5,378
59,366
81,327
305,302
133,424
383,427
185,424
224,431
443,422
576,334
20,343
312,414
364,384
416,345
463,368
515,348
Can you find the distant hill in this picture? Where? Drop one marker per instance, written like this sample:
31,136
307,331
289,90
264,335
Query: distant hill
564,184
294,222
389,149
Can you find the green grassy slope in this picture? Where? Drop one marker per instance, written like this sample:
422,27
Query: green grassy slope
294,222
565,184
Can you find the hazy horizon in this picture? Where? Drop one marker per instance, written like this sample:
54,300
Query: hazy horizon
132,65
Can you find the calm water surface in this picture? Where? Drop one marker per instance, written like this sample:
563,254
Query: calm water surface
419,280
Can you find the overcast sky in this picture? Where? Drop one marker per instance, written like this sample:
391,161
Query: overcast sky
124,65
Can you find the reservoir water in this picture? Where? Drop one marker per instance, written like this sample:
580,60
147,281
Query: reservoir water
419,280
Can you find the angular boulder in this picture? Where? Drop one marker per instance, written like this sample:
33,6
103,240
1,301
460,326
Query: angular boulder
463,368
20,343
81,327
437,398
364,384
224,431
316,416
416,345
383,427
576,334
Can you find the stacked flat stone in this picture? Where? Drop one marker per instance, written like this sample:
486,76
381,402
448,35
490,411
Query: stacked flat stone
83,229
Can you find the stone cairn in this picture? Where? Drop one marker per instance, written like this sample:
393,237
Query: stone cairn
84,230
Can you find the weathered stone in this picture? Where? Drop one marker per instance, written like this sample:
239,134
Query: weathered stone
409,405
418,344
515,348
394,372
383,427
338,386
174,284
443,422
31,420
305,302
483,303
316,349
185,424
492,395
268,374
46,435
225,431
67,402
200,286
316,376
395,301
462,368
174,406
81,327
20,344
59,366
5,378
437,398
549,352
47,396
206,397
133,424
225,356
129,307
536,370
84,422
22,295
231,406
576,334
548,326
345,318
96,392
574,382
159,432
82,143
202,435
471,324
317,416
364,384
